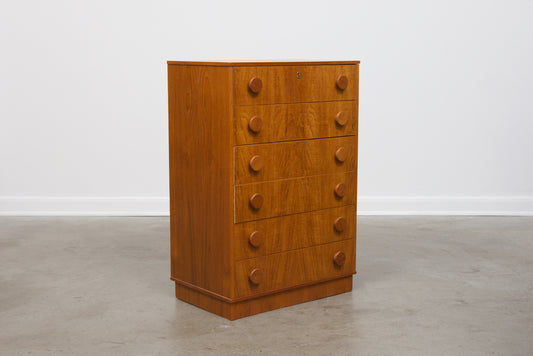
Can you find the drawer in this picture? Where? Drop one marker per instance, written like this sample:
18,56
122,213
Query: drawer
291,232
294,84
257,163
290,196
286,122
294,268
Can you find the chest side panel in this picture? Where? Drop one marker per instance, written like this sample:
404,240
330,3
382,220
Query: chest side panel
201,175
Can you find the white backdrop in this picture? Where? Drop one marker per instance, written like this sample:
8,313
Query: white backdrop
446,97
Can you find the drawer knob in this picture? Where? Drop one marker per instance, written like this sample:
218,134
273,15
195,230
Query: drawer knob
255,84
341,154
341,118
255,276
255,124
256,201
256,163
339,258
342,82
255,239
340,189
340,224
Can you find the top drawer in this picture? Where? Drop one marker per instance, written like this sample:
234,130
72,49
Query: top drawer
294,84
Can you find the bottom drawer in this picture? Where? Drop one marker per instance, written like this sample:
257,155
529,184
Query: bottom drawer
293,268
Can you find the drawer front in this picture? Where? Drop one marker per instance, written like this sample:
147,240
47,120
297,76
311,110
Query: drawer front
286,122
294,84
293,268
268,236
257,163
290,196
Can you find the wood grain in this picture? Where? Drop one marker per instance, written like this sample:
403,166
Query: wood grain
356,145
293,232
257,163
201,176
293,267
281,84
265,303
291,196
298,243
286,122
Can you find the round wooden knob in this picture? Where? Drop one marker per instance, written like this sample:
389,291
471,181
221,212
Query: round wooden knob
256,201
340,190
339,258
255,276
341,118
255,124
255,239
341,154
342,82
340,224
255,84
256,163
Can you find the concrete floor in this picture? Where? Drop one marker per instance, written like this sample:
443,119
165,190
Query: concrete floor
425,285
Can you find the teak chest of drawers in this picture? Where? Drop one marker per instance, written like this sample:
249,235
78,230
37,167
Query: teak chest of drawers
263,181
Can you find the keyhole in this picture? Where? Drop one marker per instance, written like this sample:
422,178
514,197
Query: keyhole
298,75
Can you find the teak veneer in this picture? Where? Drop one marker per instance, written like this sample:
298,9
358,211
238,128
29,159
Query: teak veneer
285,122
263,182
258,163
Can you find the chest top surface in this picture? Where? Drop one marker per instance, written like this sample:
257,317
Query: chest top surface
259,63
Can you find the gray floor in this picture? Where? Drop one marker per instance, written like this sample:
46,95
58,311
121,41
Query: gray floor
425,285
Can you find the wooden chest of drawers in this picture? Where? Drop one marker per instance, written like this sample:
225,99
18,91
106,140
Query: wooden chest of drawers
263,181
